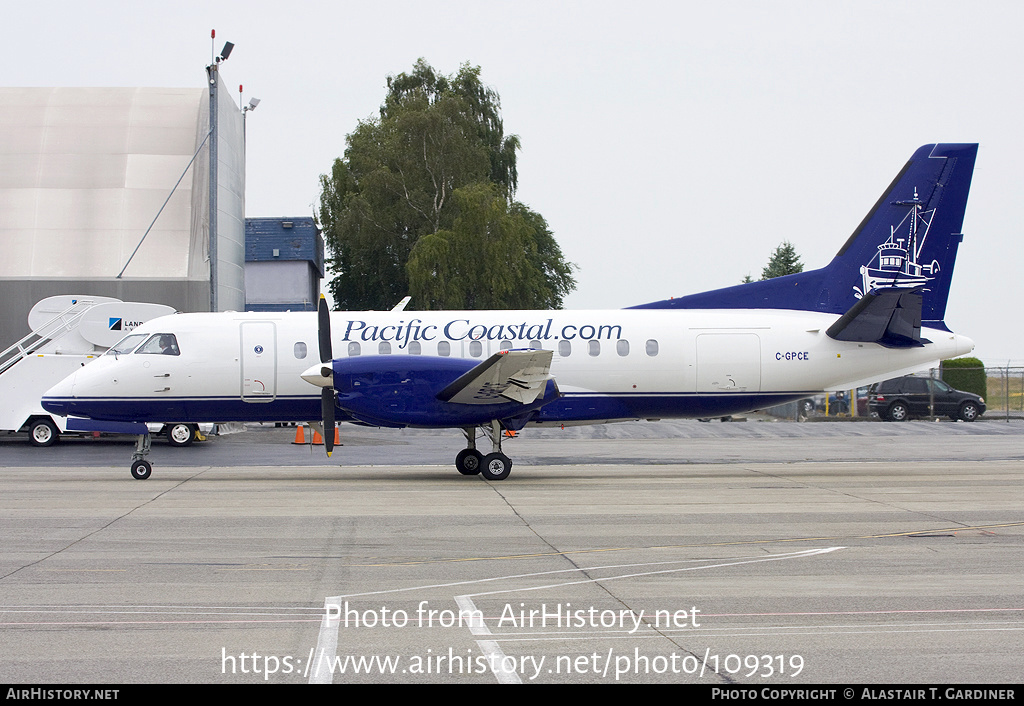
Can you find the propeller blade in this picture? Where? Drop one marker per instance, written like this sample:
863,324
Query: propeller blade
324,330
327,410
323,316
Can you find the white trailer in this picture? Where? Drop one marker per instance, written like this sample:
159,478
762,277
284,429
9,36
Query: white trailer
67,332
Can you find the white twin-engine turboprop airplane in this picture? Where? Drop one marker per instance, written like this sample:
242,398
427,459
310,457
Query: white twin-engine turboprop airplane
874,312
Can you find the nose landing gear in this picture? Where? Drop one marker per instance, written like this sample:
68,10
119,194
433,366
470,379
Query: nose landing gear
141,468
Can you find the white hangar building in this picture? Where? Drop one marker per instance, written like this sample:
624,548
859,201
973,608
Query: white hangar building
84,173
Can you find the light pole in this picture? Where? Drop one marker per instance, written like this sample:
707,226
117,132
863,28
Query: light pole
214,84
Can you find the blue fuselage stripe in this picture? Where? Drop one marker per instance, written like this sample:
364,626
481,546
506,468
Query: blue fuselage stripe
571,407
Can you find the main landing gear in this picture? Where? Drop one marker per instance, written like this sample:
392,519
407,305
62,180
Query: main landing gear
141,468
493,466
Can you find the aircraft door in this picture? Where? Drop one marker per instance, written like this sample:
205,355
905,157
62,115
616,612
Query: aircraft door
258,359
728,362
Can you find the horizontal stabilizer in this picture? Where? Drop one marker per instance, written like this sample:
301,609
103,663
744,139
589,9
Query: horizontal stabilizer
890,317
519,376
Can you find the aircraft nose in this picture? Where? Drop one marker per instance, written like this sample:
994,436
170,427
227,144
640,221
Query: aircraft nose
315,375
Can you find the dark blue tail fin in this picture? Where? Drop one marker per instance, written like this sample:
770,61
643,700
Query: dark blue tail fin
908,240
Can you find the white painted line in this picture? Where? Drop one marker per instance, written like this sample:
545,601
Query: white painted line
490,648
327,641
761,560
493,650
326,647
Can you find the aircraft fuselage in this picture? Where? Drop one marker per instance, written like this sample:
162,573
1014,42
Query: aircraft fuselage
608,365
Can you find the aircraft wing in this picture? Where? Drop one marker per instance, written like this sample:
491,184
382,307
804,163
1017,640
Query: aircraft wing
517,375
890,317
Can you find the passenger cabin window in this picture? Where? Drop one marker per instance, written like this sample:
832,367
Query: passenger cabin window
444,348
652,347
564,348
594,348
300,350
506,345
622,347
353,348
536,344
160,344
127,344
414,348
384,348
476,348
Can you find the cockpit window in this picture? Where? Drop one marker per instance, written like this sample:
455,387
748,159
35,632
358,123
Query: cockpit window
160,344
126,344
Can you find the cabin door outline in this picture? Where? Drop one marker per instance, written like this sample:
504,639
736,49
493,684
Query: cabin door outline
258,360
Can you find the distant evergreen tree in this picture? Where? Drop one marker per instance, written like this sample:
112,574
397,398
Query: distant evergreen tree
784,261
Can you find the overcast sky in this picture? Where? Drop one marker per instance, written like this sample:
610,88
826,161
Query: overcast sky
670,145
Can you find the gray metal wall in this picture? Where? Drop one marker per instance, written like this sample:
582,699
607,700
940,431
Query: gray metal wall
230,198
290,282
83,173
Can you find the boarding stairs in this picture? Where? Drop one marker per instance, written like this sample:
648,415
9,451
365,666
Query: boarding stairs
51,330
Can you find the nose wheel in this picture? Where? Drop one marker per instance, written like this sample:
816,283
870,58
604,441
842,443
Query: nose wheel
141,468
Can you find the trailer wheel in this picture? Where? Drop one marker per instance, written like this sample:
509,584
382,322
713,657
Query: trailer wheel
43,432
181,435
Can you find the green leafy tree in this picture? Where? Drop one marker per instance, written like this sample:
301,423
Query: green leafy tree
784,261
494,256
422,204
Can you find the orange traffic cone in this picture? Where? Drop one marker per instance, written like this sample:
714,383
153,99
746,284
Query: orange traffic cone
337,437
300,435
317,439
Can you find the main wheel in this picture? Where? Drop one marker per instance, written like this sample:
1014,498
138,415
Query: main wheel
897,412
496,466
43,432
469,461
141,469
181,434
968,411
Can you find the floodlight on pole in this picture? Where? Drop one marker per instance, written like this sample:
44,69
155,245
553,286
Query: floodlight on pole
214,234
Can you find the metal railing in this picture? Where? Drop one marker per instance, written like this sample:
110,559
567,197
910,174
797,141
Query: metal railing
51,330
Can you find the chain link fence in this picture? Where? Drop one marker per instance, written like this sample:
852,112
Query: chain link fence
1003,390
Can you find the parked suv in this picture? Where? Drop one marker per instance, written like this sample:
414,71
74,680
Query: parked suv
901,398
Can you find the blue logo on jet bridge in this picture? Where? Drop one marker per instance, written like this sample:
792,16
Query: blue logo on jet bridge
118,324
